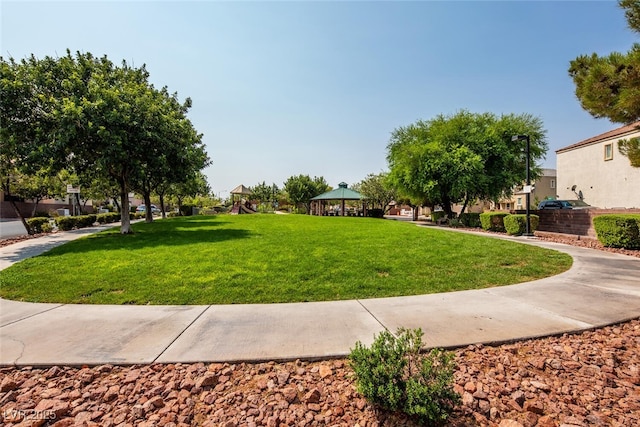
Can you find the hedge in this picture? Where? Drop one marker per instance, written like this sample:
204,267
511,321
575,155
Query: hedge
618,231
493,221
107,218
470,219
375,213
38,224
516,224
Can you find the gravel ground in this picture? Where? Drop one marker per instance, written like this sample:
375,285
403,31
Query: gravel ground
586,379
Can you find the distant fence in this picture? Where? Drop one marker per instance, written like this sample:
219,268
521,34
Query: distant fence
578,222
7,211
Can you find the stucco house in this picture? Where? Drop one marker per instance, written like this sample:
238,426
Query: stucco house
545,187
595,170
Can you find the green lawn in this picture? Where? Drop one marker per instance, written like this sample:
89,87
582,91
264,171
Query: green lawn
271,258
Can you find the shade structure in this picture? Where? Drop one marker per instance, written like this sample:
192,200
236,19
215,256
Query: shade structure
341,193
241,189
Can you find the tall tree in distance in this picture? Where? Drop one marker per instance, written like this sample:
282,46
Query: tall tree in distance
377,190
301,188
609,86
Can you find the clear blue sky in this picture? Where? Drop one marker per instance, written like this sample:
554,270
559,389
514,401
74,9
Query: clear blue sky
287,88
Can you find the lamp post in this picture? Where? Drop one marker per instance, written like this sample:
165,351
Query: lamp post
528,192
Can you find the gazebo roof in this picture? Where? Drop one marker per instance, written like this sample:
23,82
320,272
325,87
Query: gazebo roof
240,189
340,193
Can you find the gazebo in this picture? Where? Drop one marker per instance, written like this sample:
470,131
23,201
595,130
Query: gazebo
342,193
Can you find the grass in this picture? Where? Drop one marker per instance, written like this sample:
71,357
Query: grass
271,258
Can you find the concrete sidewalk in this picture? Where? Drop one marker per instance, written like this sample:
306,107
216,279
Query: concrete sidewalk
601,288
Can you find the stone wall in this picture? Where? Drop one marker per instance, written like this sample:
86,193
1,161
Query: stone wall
577,222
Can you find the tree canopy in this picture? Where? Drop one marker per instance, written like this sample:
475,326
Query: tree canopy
97,119
301,188
377,190
609,86
463,157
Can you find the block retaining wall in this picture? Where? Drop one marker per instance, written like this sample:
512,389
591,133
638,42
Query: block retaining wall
577,222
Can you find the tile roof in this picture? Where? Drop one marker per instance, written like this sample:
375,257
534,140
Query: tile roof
633,127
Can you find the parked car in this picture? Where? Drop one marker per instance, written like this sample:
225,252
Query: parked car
143,208
563,204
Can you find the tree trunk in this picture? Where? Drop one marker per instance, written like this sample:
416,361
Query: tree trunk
148,215
466,202
7,190
35,207
162,209
125,221
414,211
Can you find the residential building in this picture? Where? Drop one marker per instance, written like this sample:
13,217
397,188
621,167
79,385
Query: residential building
595,171
545,187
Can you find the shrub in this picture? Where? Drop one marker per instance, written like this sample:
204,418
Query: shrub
86,220
493,221
618,231
187,210
36,224
375,213
107,218
42,214
395,376
66,223
470,219
435,216
516,225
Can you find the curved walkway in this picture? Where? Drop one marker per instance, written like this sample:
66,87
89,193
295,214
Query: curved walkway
600,289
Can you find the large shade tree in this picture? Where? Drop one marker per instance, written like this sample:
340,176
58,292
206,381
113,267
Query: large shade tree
609,86
101,120
463,157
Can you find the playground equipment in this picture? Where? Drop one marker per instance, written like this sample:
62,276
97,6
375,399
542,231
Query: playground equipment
240,204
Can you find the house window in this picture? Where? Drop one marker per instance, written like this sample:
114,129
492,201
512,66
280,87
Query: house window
608,151
552,183
519,202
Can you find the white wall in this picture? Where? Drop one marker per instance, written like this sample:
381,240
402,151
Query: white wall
604,183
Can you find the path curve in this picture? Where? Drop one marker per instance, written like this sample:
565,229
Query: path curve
601,288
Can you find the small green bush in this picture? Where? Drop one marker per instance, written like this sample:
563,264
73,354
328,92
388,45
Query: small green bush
66,223
516,225
618,231
107,218
435,216
83,221
36,224
470,219
493,221
375,213
395,376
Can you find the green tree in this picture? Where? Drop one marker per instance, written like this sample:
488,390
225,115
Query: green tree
301,188
25,116
98,120
192,186
175,148
266,195
377,190
609,86
459,158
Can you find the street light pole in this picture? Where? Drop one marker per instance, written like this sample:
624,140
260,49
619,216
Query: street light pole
528,166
